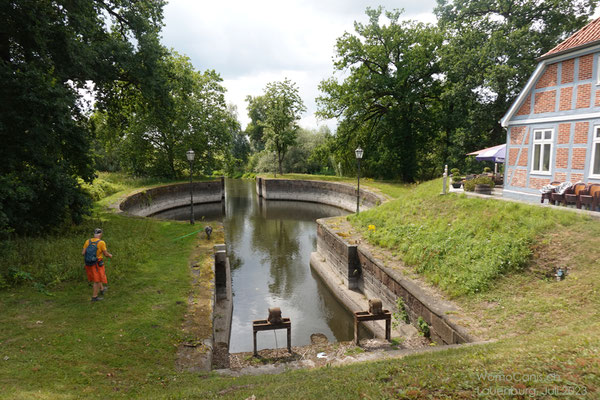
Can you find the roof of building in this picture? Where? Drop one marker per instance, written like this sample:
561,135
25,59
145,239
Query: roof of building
588,35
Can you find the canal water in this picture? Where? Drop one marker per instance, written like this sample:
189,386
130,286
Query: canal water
269,245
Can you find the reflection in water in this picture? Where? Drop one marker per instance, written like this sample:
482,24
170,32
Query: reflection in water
270,243
202,212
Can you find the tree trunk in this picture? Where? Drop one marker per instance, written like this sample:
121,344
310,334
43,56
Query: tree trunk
280,161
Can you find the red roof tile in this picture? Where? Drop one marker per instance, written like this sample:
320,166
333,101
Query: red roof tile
588,34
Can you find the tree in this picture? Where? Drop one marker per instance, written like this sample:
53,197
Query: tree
187,111
49,52
386,103
283,106
255,128
491,51
237,157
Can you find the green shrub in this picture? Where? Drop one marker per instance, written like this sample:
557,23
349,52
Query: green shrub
100,188
455,172
423,327
400,315
487,170
482,180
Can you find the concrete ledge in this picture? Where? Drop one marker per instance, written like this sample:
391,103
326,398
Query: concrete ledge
271,369
353,300
151,201
435,311
335,194
359,270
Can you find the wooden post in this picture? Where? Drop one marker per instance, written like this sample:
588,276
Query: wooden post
289,338
356,330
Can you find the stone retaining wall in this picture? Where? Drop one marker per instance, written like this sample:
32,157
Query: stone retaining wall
151,201
336,194
361,271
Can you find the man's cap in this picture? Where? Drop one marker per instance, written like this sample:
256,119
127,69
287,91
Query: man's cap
97,231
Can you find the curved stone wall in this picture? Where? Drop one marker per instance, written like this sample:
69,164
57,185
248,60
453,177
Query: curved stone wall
151,201
335,194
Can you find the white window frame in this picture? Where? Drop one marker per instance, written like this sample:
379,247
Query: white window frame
542,141
595,140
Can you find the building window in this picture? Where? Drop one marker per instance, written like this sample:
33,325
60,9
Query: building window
542,151
595,171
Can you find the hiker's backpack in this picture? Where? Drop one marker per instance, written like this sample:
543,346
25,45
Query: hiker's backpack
90,253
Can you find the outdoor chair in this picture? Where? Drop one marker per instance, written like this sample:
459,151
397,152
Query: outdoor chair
573,198
560,198
591,197
548,196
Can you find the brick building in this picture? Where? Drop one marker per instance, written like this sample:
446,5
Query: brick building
554,125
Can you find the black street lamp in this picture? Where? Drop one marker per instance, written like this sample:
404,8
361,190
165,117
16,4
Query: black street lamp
190,156
359,154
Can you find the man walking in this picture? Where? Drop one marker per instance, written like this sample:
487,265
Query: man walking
94,251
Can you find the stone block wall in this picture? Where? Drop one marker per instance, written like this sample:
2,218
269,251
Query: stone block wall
336,194
151,201
339,254
361,271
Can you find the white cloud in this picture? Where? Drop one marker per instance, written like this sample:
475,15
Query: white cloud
253,43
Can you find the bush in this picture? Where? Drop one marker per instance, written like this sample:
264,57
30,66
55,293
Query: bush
423,327
482,180
99,189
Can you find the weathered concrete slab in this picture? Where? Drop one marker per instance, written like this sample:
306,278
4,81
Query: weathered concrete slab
150,201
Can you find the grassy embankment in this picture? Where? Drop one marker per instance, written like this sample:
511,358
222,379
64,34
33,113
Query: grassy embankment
55,344
547,331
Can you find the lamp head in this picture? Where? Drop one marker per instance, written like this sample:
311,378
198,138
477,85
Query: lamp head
190,155
359,153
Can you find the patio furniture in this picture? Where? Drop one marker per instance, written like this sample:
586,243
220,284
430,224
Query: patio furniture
548,195
573,198
559,194
591,197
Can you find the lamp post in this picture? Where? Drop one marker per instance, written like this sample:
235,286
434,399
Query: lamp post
190,156
359,154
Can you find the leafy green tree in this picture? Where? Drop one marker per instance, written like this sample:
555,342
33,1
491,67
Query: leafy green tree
49,52
309,155
188,111
386,103
255,128
491,51
239,151
283,107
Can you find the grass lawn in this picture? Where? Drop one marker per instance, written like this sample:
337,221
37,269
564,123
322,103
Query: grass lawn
55,344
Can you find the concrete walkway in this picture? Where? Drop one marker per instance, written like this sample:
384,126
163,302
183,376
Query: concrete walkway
376,355
497,195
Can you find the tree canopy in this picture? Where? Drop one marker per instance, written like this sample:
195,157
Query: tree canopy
49,52
188,111
418,96
386,103
274,117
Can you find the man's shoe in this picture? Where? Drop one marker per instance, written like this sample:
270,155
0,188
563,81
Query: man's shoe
103,291
98,298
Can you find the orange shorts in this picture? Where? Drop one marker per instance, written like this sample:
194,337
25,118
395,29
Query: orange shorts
95,273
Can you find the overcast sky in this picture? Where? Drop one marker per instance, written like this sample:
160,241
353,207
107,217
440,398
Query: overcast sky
251,43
